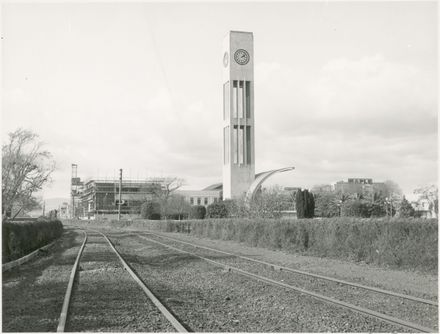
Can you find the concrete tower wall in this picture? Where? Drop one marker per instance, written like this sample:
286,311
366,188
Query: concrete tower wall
238,114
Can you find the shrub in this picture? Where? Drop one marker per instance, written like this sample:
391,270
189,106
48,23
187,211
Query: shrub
326,204
177,216
357,208
402,243
406,209
377,209
175,207
398,242
269,203
217,210
150,210
197,212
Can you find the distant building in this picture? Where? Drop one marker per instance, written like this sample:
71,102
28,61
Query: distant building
64,211
101,197
291,189
322,188
360,186
205,197
200,197
424,209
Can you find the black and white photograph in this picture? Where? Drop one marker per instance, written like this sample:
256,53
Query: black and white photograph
219,166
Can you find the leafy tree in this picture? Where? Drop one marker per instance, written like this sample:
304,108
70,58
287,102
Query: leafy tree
392,203
269,203
150,210
305,204
217,210
326,204
26,167
406,209
176,207
197,212
341,199
162,193
378,208
357,208
310,205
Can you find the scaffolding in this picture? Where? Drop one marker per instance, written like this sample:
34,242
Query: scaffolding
75,189
101,197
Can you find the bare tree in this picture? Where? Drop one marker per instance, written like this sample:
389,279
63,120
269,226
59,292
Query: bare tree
269,203
163,193
176,206
26,167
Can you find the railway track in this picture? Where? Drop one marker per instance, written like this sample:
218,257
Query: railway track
71,292
301,272
272,277
198,298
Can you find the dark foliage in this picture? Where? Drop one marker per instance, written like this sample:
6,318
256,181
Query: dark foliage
406,209
197,212
326,204
305,204
398,242
21,238
357,208
218,210
150,210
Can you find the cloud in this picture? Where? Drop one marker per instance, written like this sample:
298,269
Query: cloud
264,70
372,95
366,117
369,95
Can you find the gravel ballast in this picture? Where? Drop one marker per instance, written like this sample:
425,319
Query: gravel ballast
106,298
209,299
415,283
204,297
423,314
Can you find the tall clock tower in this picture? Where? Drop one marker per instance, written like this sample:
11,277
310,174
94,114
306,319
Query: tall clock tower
238,114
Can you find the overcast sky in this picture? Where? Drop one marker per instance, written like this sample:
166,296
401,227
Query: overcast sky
342,89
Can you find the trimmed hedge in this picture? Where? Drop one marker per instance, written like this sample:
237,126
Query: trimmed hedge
400,242
21,238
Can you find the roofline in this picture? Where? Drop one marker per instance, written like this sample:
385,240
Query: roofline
240,32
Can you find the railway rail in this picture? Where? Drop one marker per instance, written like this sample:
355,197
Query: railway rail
103,260
296,271
68,296
362,310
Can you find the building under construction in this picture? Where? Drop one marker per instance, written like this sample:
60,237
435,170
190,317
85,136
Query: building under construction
94,198
101,197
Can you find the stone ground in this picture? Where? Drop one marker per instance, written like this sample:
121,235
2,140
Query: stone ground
203,296
415,283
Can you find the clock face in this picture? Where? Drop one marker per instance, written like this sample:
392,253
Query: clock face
241,57
225,59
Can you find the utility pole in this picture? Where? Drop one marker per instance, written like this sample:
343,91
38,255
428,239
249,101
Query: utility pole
391,205
73,206
120,194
